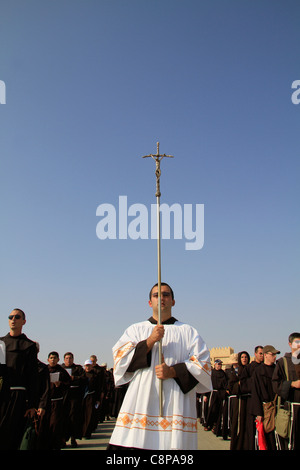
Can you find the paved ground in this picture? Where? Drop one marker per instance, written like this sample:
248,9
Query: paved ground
206,439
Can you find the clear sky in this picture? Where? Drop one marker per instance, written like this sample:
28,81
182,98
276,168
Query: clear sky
90,87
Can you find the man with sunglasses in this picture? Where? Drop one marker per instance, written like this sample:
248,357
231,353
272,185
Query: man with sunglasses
185,371
19,393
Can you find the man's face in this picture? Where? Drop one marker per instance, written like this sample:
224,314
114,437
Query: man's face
68,360
166,299
53,360
295,345
270,358
259,355
218,365
16,321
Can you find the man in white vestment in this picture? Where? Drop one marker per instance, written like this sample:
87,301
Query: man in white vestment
185,371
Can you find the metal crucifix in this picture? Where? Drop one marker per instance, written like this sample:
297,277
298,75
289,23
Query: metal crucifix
157,157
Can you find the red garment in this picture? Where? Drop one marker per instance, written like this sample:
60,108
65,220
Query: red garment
262,444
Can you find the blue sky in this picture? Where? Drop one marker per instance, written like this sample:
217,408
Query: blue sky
91,86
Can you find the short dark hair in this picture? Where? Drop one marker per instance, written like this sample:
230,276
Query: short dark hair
162,284
20,312
293,336
53,353
257,348
69,354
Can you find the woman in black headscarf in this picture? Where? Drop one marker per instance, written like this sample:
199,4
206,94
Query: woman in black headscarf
238,401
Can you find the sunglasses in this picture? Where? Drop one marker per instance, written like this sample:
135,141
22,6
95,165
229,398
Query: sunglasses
17,317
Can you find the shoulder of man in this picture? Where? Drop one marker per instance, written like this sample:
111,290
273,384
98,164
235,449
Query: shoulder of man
26,342
5,338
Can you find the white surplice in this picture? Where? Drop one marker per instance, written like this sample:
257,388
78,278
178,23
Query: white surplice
139,424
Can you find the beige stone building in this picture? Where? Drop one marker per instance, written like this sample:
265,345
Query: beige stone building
223,354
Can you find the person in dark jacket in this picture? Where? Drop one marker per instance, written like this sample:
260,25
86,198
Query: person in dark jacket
44,406
19,393
217,398
91,399
262,390
59,384
286,383
73,399
246,384
238,404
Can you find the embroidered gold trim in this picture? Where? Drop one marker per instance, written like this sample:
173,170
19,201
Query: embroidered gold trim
206,366
122,351
156,423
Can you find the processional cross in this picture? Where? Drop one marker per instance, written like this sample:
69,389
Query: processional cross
157,157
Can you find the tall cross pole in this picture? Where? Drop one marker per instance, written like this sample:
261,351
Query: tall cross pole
157,157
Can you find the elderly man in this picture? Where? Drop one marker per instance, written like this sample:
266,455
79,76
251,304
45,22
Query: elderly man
262,390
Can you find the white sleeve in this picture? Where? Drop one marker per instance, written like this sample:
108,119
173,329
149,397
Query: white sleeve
198,363
123,352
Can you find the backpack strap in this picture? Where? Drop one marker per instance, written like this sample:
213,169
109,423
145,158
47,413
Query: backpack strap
286,368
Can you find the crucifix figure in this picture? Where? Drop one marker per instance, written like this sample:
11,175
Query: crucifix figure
158,158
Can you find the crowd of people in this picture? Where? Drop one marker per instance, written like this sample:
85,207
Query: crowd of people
244,390
61,402
64,402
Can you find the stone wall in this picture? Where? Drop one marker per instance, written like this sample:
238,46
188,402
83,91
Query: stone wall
223,354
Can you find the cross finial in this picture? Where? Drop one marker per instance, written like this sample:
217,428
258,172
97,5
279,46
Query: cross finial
157,156
158,159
